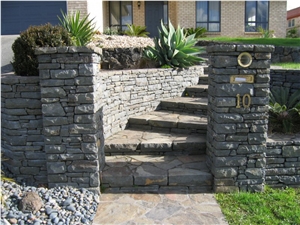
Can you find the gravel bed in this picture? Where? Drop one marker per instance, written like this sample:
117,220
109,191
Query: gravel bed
121,41
61,205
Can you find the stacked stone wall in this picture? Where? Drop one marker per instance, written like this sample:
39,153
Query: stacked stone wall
54,126
285,78
283,161
238,117
133,92
22,140
280,54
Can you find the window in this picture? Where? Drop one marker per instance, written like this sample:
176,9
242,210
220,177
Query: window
208,15
292,23
165,12
120,14
257,15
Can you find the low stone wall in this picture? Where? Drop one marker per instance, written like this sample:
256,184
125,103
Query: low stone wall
283,161
22,140
54,126
286,54
121,58
280,54
133,92
285,78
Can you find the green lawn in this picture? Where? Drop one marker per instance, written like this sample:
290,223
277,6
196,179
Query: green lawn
271,207
265,41
289,65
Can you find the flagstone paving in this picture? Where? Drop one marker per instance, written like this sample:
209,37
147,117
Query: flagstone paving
125,172
176,206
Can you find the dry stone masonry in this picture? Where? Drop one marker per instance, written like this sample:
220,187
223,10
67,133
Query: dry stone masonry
238,97
54,126
22,140
72,119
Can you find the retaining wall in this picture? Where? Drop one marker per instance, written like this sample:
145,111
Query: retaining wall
128,93
54,126
280,54
285,78
283,161
22,140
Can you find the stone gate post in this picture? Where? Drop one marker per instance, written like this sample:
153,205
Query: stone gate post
72,117
238,98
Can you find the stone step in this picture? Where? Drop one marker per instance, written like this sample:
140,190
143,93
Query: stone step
185,104
133,172
167,121
140,142
199,90
203,79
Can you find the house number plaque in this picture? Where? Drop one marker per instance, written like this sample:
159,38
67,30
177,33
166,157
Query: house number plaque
246,101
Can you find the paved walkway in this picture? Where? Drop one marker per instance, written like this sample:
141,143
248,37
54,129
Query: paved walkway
166,207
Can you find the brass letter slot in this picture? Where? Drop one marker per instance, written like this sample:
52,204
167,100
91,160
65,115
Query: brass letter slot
240,79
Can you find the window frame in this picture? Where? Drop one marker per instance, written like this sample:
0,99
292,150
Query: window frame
291,23
208,16
256,22
120,26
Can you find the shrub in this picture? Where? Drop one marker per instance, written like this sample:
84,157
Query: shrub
111,31
292,33
173,48
138,31
81,30
266,33
25,61
284,109
198,31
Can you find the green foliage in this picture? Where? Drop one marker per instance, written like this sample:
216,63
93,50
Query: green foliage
138,31
273,206
262,41
284,109
111,31
173,48
292,33
199,32
81,30
25,62
265,33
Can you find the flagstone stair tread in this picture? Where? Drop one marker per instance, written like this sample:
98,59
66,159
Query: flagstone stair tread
188,100
148,170
167,119
151,142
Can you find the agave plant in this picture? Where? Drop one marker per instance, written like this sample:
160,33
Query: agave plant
198,31
138,31
81,30
173,48
284,109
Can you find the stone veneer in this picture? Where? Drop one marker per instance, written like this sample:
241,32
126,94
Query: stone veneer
285,78
22,139
280,54
283,161
236,137
56,124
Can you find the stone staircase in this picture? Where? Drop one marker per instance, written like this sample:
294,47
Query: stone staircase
162,149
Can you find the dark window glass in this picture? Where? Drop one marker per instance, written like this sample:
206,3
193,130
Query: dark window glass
165,12
208,15
120,14
257,15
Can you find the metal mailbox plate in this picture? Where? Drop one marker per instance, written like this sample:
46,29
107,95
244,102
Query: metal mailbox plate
241,79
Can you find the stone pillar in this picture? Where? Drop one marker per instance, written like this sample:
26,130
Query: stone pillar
238,98
72,118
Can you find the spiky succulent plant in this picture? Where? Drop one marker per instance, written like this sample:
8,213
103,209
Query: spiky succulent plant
173,48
